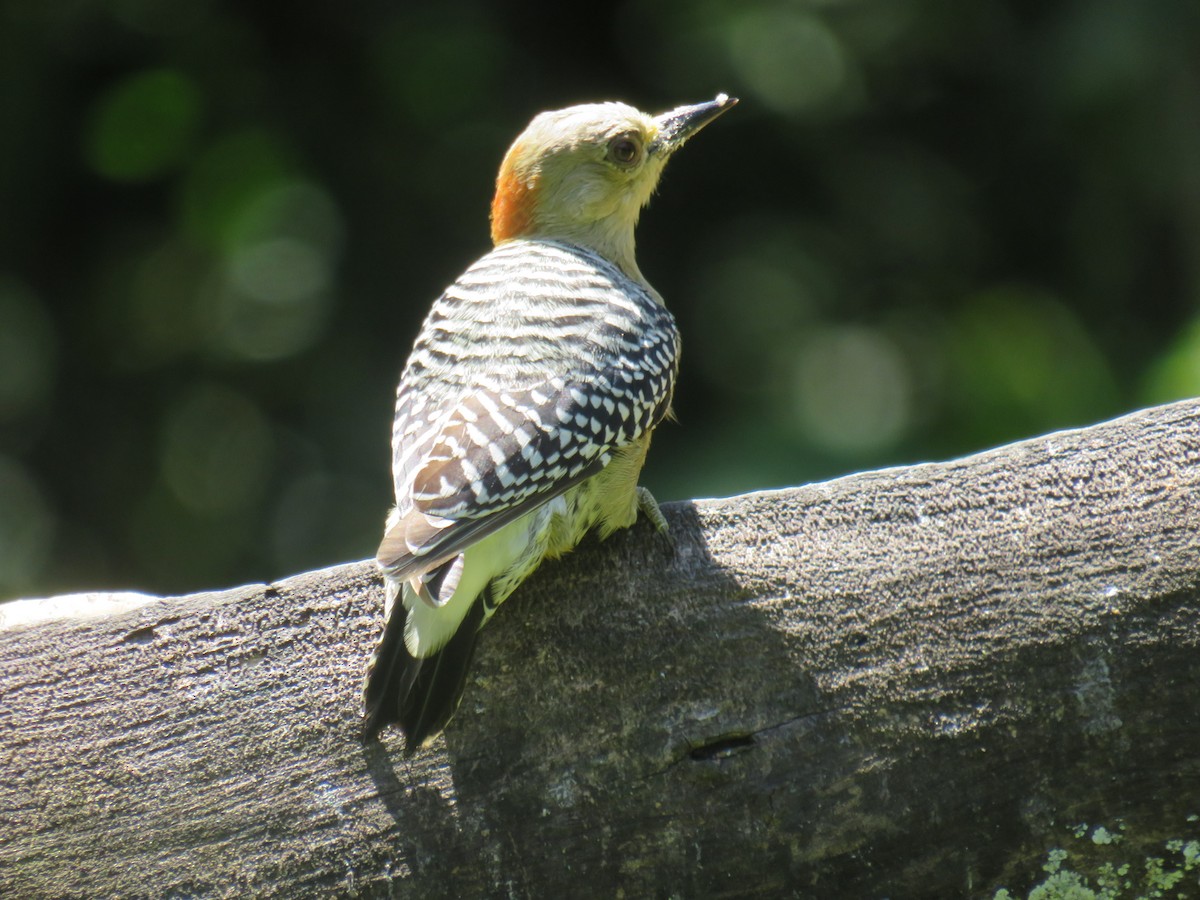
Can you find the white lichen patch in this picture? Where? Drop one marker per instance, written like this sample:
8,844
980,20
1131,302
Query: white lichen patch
564,792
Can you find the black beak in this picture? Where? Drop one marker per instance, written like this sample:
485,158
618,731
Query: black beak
676,126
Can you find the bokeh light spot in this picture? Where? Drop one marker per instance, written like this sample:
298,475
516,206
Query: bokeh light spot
271,298
1176,375
757,289
144,125
293,208
1023,362
279,271
791,60
156,318
228,179
216,450
1103,52
853,389
272,320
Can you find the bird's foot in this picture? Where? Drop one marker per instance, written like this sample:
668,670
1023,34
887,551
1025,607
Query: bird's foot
648,507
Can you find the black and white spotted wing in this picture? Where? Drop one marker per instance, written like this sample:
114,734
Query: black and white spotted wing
530,370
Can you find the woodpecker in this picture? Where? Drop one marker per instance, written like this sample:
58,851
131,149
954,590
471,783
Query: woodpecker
526,407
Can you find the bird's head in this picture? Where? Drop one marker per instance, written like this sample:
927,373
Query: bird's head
584,173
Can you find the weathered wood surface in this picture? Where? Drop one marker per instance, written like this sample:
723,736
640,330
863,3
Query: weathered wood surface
904,683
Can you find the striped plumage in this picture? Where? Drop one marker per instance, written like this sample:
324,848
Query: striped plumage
522,420
530,370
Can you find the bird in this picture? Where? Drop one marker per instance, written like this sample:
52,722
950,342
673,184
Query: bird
526,406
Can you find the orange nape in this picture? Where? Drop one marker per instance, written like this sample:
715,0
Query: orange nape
512,207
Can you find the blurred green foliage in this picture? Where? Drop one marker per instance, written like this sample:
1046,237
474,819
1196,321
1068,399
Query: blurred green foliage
929,228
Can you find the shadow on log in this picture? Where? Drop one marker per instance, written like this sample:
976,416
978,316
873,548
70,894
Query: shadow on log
905,683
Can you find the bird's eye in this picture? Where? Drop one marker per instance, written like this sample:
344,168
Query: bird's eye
624,150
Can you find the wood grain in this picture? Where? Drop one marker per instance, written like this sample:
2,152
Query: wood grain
903,683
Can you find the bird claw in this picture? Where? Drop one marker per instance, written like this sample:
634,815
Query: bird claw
648,506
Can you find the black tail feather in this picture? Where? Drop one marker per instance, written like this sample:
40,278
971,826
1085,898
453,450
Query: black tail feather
389,675
420,695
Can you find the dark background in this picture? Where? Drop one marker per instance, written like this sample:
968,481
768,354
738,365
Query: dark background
930,227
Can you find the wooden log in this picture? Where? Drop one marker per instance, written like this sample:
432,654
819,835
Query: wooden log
903,683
